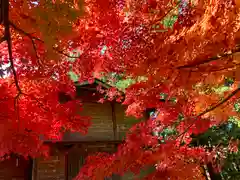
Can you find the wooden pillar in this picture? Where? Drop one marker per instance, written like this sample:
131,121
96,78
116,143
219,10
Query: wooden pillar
34,169
67,149
74,162
114,121
66,166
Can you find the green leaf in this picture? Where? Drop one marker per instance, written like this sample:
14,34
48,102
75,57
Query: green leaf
73,76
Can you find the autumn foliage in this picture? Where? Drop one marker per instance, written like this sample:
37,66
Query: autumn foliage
188,61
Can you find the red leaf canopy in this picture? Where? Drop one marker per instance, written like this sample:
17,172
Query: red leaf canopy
189,61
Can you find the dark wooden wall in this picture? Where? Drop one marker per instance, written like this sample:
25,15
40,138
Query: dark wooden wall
16,168
52,168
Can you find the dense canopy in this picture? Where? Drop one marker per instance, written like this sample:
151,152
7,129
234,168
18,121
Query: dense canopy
186,50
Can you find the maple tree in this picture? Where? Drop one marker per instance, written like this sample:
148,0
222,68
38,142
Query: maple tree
33,73
188,61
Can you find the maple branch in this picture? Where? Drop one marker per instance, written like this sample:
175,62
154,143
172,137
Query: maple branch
220,103
210,109
62,52
35,50
7,37
11,60
24,32
35,38
31,38
194,64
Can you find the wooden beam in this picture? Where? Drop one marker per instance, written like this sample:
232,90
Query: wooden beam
83,142
114,121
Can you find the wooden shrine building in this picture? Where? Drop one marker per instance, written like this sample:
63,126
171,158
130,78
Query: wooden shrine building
109,126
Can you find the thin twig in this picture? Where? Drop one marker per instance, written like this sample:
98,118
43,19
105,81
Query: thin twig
16,105
25,33
36,53
220,103
38,102
167,13
195,64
